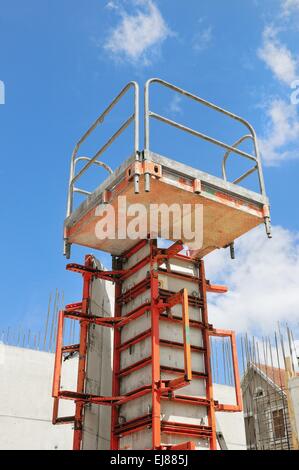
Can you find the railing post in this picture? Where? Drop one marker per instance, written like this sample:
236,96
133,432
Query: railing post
99,120
146,117
148,114
58,356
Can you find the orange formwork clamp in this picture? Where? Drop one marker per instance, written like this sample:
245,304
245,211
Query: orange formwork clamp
216,289
184,380
183,446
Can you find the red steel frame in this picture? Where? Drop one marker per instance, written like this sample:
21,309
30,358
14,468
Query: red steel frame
160,389
155,313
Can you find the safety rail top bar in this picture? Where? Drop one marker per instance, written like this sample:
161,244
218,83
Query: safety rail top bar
93,160
230,148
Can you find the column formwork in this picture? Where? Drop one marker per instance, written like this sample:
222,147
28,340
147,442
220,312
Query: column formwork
162,386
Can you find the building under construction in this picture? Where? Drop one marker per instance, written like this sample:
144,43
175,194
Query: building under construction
268,385
144,370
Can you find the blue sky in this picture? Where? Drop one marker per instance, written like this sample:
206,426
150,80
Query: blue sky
63,61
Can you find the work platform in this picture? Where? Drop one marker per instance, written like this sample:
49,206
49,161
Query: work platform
228,209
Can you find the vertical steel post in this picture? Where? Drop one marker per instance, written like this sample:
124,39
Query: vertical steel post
186,336
208,370
236,371
155,313
58,355
87,277
114,444
57,366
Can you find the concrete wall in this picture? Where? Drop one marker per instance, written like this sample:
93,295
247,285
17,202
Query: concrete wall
26,403
97,419
230,424
171,357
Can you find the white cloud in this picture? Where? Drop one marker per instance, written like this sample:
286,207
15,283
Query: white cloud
202,39
112,5
281,138
278,58
139,32
262,282
288,6
175,105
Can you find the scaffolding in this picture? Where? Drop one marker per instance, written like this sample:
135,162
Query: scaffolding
162,378
266,396
171,359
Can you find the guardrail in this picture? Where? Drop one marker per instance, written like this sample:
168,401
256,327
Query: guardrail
229,148
74,177
134,117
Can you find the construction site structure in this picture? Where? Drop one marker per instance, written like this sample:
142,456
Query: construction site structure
162,391
161,385
229,209
268,382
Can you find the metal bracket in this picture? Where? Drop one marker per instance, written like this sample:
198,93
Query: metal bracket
67,249
185,379
232,250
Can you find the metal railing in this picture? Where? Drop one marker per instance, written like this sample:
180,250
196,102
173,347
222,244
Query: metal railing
247,173
74,177
229,148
